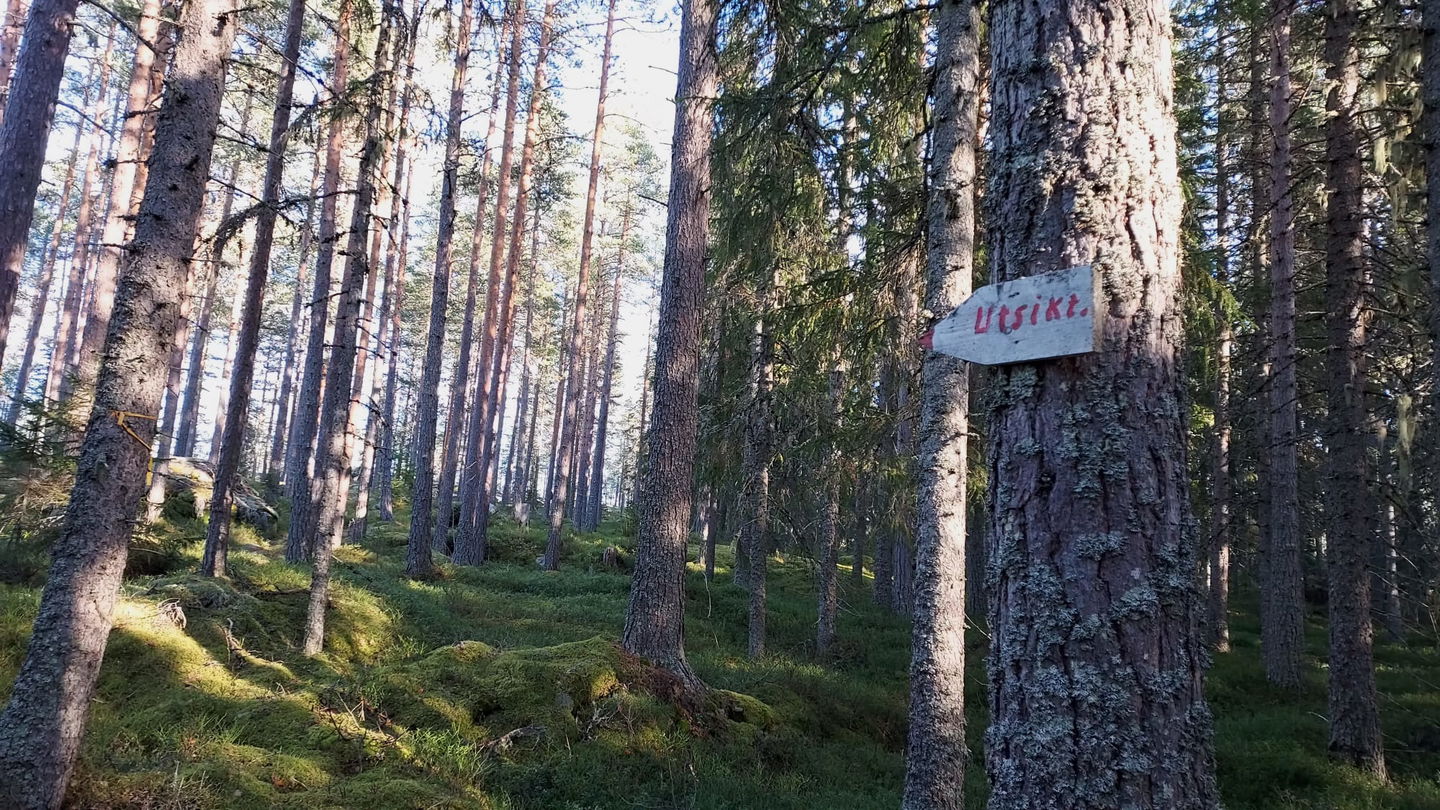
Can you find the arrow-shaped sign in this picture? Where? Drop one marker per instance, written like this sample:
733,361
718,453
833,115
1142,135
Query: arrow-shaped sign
1030,318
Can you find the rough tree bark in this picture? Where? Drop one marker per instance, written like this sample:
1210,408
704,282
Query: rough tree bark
935,755
232,435
655,616
15,13
1097,660
1430,127
1282,605
1354,718
41,727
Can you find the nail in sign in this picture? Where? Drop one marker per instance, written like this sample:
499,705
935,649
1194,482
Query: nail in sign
1031,318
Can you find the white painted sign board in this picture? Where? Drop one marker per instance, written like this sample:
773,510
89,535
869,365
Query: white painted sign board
1031,318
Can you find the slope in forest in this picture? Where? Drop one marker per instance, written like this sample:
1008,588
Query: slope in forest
501,687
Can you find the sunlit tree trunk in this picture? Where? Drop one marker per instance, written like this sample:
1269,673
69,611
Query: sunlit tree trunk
125,185
602,421
304,420
231,440
466,542
935,755
332,461
568,415
655,616
455,422
386,457
293,330
67,323
41,727
425,531
489,398
29,110
382,321
189,418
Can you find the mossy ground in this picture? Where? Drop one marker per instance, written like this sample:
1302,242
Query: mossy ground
501,687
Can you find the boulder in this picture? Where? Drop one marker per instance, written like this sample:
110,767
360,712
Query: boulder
185,484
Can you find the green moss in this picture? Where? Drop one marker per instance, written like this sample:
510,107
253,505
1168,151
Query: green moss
421,681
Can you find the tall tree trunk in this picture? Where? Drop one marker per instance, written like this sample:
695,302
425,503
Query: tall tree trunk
522,408
1282,616
189,417
602,422
386,457
580,506
332,461
466,542
455,422
189,429
1095,613
41,727
1354,718
227,363
489,398
1219,591
936,754
426,531
125,186
575,347
66,324
755,464
29,110
15,13
294,329
304,421
1430,129
379,431
231,431
647,373
369,331
93,95
827,579
655,616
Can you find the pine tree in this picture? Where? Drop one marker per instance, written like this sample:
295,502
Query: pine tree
1088,454
655,616
41,726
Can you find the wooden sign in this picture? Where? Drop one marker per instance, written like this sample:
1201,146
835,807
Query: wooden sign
1031,318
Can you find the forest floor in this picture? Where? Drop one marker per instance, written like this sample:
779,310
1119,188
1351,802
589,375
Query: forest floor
502,687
